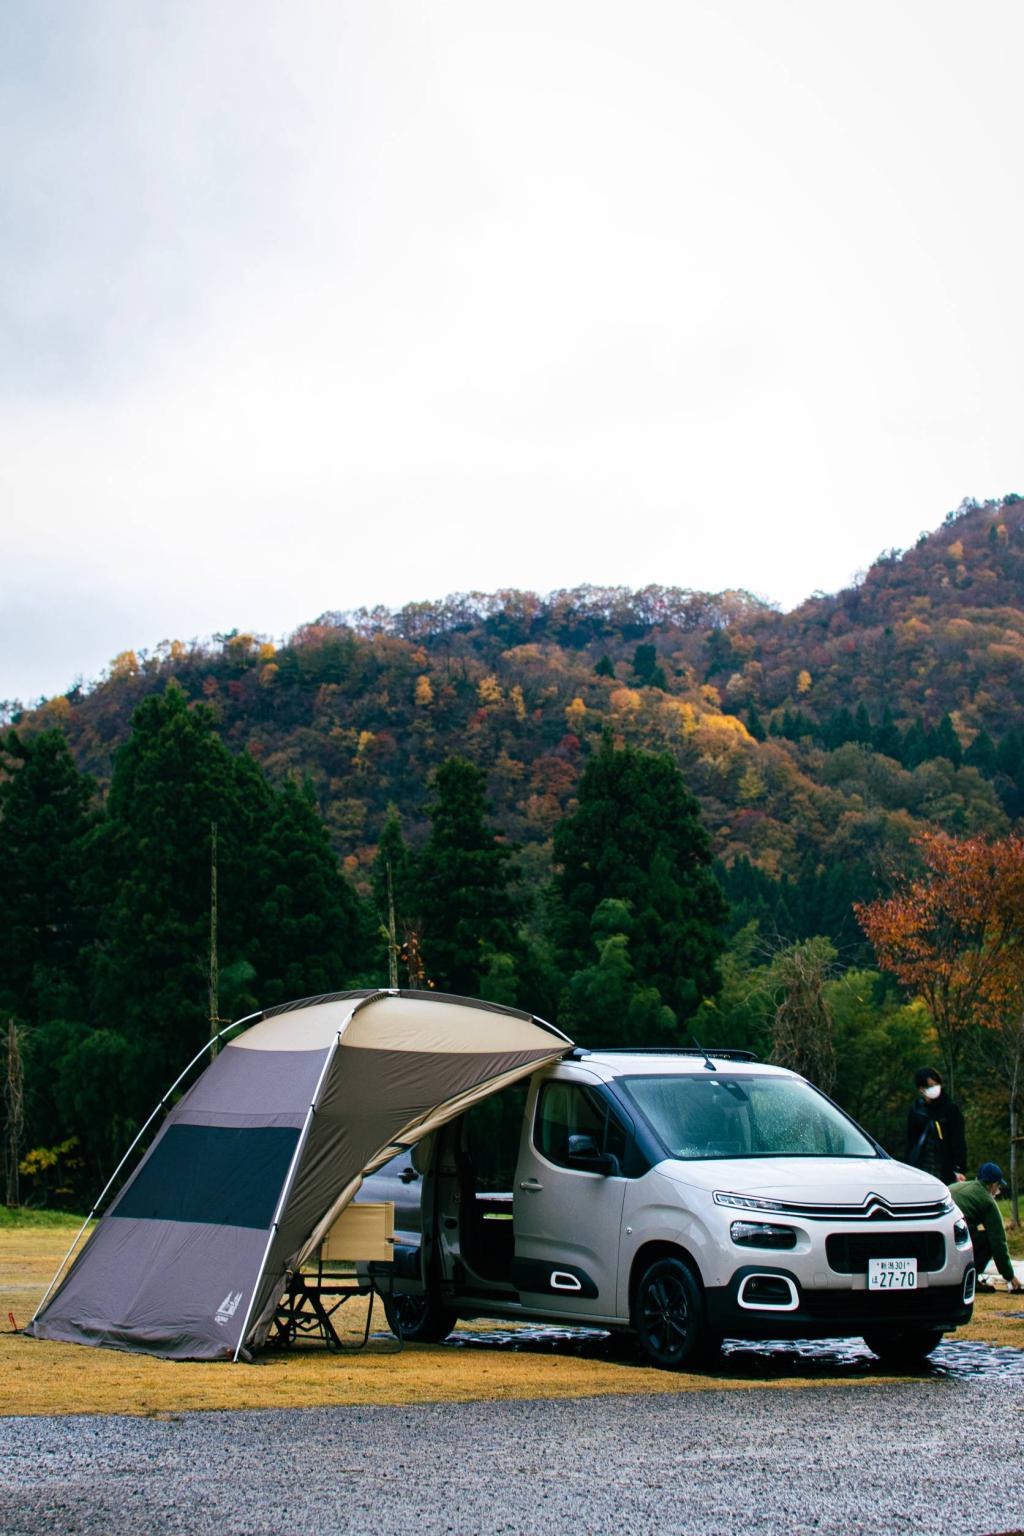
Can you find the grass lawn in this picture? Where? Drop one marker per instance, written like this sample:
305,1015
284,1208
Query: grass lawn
40,1377
1014,1235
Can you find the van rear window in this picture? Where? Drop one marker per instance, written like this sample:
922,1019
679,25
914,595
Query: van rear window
721,1116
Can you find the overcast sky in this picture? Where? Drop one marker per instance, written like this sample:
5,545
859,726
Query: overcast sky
314,306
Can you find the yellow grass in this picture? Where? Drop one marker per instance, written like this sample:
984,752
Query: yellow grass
40,1377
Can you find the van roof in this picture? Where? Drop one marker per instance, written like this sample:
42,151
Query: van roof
618,1063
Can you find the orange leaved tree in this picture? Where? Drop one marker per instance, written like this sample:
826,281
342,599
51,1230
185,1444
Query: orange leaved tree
955,935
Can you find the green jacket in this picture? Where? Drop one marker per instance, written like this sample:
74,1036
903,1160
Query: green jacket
980,1210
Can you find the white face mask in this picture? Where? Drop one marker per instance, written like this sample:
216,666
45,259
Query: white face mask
932,1093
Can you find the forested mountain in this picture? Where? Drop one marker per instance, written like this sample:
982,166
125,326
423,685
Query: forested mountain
547,798
816,741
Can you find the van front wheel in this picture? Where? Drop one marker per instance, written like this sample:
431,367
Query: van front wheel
907,1349
668,1314
420,1319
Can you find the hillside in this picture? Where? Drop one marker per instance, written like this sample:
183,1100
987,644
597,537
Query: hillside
817,741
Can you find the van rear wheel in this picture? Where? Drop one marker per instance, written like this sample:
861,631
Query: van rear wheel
668,1315
420,1319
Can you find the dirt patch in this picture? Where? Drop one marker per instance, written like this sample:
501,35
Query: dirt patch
41,1378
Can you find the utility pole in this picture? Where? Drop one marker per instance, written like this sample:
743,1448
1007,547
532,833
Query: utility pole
214,962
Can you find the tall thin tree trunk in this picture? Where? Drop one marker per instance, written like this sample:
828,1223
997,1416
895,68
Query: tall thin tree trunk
214,958
392,934
14,1108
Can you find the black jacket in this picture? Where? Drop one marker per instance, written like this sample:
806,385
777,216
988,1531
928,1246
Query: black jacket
935,1137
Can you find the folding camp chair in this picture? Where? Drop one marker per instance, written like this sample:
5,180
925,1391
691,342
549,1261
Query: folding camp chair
363,1234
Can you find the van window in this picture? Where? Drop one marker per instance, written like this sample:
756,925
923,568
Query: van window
569,1109
749,1116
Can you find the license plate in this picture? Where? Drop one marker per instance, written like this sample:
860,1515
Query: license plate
892,1274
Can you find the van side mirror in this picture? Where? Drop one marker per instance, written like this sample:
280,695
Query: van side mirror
583,1154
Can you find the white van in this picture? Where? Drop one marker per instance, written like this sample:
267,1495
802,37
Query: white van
682,1196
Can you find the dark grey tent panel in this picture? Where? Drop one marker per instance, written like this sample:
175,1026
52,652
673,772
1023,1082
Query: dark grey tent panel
265,1151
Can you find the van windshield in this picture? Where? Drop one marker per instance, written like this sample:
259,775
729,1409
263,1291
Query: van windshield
720,1116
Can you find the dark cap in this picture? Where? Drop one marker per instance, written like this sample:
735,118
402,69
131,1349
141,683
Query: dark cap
991,1173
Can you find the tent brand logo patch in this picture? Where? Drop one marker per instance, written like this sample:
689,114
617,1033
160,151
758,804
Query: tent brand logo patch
228,1307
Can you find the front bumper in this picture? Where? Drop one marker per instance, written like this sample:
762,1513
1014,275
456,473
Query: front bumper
833,1313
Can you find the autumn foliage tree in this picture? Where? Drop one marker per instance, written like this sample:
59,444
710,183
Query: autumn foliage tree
955,935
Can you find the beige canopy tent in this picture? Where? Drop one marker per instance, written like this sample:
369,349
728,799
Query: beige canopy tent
252,1167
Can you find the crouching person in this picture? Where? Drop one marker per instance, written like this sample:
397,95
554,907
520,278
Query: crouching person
977,1201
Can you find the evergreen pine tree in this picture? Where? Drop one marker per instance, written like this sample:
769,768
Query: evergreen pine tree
914,748
604,667
755,725
172,780
465,886
307,932
646,669
886,737
1010,777
287,923
636,837
981,754
944,742
603,1003
44,921
838,730
721,654
1010,754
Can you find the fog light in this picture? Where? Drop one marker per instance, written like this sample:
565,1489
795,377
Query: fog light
961,1234
771,1293
762,1234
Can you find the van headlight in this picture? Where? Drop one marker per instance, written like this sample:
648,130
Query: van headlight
746,1202
762,1234
961,1234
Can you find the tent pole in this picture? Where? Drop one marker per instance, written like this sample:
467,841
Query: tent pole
103,1193
296,1155
287,1185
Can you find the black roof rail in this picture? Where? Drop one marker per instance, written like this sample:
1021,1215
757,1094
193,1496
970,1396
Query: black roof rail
579,1051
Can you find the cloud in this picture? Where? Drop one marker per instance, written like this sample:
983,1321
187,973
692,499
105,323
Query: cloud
316,306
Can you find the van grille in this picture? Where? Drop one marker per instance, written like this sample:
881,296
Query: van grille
848,1252
873,1208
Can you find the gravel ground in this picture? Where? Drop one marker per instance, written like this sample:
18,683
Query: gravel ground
933,1457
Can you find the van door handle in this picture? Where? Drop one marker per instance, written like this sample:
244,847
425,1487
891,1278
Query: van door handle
532,1185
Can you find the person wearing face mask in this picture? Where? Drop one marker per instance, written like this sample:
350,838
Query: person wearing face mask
935,1130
